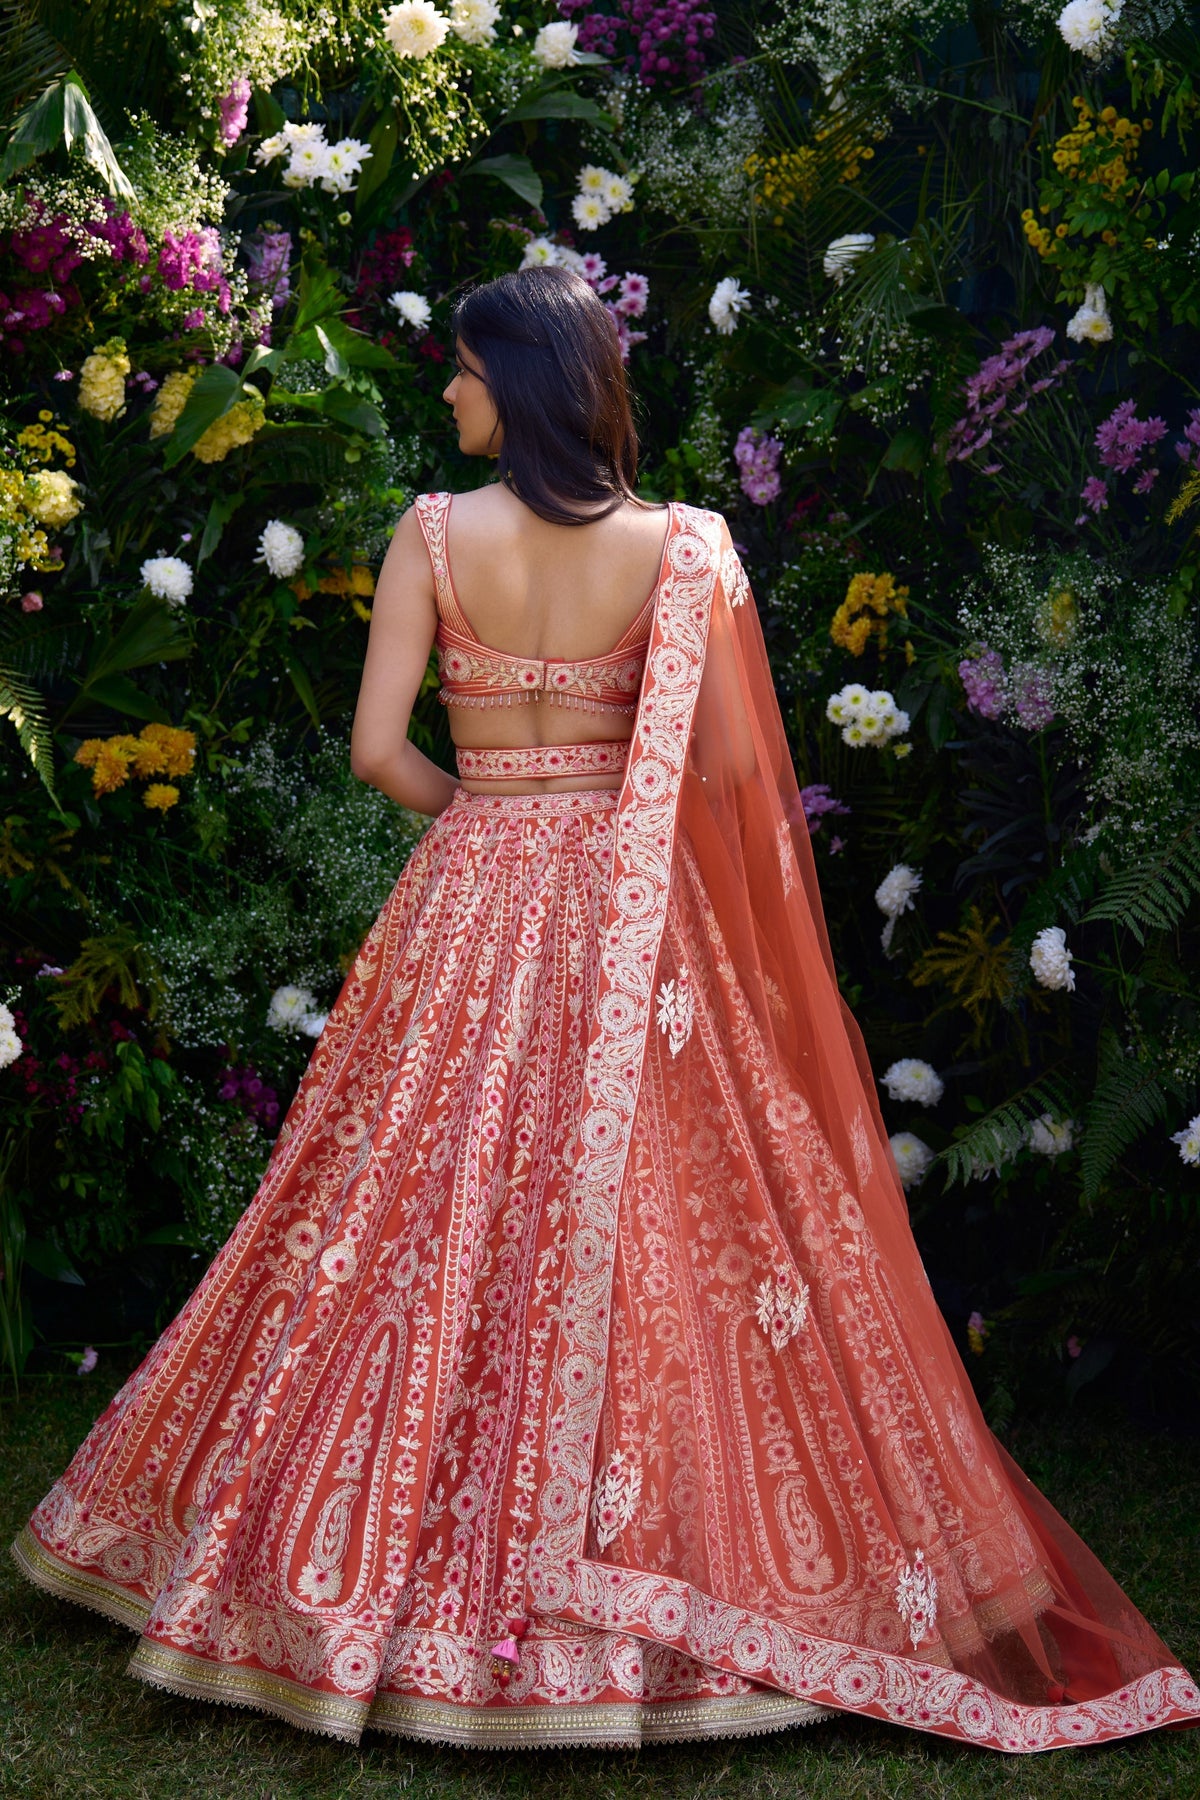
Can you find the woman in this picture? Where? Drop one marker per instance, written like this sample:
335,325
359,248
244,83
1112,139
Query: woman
573,1377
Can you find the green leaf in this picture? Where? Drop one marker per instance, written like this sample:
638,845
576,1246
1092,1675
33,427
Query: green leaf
335,363
340,407
559,103
269,116
262,358
516,172
216,390
219,515
181,1235
303,687
1153,894
50,1261
908,450
149,634
21,702
62,114
378,166
124,696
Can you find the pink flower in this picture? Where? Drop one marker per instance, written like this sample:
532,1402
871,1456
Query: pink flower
88,1360
983,680
1095,494
1073,1346
32,601
235,110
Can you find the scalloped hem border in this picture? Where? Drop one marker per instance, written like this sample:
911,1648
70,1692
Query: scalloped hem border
612,1725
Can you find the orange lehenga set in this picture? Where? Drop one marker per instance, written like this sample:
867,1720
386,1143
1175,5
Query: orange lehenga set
573,1377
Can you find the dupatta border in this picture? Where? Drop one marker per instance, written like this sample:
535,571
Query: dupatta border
634,922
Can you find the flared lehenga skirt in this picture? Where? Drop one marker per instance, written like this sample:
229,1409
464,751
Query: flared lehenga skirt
316,1495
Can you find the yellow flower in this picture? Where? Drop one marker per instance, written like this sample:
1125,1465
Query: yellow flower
170,401
237,427
364,612
109,760
853,626
901,749
160,796
172,750
102,381
1058,618
51,497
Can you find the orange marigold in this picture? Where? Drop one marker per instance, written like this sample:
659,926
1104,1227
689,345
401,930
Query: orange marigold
160,796
864,613
173,749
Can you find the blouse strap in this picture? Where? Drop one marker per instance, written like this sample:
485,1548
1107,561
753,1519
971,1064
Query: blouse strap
433,512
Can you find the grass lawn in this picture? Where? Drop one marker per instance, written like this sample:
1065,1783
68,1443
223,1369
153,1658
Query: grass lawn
75,1726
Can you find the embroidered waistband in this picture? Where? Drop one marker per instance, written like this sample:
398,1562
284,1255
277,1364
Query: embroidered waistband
533,762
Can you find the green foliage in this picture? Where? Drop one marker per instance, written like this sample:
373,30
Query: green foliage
1155,893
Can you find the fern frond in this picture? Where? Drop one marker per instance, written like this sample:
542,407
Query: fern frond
970,963
21,702
999,1135
1154,895
1129,1097
115,960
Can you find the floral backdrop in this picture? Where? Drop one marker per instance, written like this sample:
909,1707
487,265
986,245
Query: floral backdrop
910,292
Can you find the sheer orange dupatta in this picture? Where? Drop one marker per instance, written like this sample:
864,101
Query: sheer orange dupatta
764,1449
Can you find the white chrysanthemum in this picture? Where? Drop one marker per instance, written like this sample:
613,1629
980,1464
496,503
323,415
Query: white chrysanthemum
854,735
836,710
844,252
894,896
474,21
290,1009
1050,959
1049,1136
913,1157
540,253
296,132
7,1022
414,309
271,147
618,193
589,211
343,165
913,1080
307,164
1091,324
415,27
1189,1141
168,578
727,301
554,45
593,179
10,1046
573,259
314,1024
856,698
281,547
1087,26
870,722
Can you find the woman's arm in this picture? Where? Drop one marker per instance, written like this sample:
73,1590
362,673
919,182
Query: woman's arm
403,623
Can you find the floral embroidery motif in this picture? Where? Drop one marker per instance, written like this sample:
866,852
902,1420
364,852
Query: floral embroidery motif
787,856
615,1499
676,1012
533,761
861,1143
782,1309
734,578
916,1598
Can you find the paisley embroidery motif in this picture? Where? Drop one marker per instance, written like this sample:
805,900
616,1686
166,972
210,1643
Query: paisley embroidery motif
782,1307
787,856
734,578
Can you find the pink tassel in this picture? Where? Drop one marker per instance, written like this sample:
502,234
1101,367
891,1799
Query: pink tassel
507,1650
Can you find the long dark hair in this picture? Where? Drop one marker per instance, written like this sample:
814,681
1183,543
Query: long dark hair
553,368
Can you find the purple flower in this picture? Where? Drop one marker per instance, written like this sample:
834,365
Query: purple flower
1000,392
268,256
757,457
235,110
984,680
1145,481
1095,494
1189,447
1031,694
816,801
1123,438
88,1360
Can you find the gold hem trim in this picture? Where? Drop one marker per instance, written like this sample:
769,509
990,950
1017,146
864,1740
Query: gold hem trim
180,1673
65,1583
